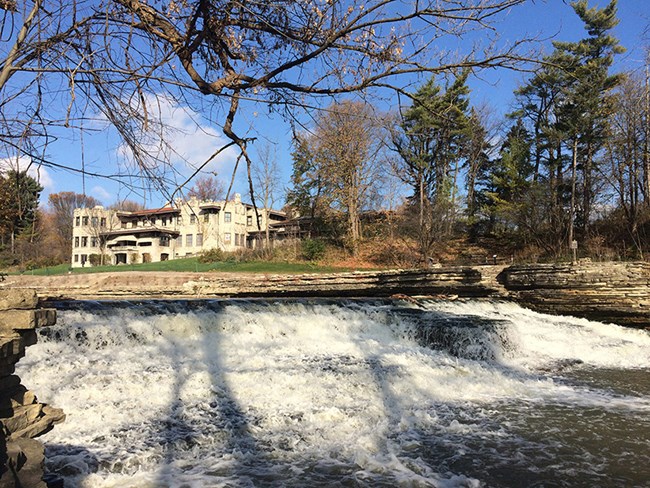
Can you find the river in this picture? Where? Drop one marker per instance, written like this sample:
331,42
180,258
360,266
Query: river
372,393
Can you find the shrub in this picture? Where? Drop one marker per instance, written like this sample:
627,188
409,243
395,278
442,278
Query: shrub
43,262
313,249
211,256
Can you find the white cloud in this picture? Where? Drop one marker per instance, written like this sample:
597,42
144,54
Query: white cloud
190,139
39,173
101,194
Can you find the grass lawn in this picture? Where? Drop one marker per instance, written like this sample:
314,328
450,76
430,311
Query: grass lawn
192,264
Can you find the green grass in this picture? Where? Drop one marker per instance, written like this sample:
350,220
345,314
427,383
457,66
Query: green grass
192,265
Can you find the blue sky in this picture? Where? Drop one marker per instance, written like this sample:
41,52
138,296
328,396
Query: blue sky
196,137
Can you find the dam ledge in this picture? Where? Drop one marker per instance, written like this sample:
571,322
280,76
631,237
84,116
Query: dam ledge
616,292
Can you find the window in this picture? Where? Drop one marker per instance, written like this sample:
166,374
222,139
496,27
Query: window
249,220
84,258
102,222
206,217
192,219
84,241
179,241
93,242
226,238
227,217
123,225
180,220
188,240
199,240
76,241
84,220
76,258
77,222
94,221
236,239
164,241
164,221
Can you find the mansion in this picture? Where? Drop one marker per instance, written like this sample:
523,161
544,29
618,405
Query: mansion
102,236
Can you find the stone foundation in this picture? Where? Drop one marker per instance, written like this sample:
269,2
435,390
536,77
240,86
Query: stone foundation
22,417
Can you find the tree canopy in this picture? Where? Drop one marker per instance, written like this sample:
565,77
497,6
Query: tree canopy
64,64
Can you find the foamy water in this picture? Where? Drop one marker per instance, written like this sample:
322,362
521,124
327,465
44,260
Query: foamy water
349,393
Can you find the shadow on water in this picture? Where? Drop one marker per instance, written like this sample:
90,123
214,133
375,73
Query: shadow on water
244,462
70,462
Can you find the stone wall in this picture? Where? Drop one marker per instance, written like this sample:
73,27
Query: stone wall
607,292
22,417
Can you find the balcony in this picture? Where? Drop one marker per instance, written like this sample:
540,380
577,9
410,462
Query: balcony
125,248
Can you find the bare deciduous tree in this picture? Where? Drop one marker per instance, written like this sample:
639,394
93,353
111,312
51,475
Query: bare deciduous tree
345,145
267,185
62,205
207,188
118,57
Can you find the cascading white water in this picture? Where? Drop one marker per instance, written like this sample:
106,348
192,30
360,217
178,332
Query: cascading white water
347,393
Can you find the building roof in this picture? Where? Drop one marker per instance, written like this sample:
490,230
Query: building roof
145,230
154,211
211,205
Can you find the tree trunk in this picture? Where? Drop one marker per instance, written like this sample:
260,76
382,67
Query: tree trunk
268,233
573,195
646,146
587,196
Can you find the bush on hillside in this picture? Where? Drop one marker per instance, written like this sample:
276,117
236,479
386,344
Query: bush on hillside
313,249
212,256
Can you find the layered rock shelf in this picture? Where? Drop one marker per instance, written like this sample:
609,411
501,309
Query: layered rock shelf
608,292
22,416
461,281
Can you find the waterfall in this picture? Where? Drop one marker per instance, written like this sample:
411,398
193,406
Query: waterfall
340,393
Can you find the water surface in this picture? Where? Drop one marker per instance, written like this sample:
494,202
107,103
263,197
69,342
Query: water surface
342,393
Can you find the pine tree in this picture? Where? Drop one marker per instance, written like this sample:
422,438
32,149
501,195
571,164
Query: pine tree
431,142
477,158
567,106
19,194
507,181
588,101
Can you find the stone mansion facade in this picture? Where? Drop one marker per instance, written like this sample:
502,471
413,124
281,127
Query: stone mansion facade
102,236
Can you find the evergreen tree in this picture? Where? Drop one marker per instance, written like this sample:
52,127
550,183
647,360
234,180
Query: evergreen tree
477,158
507,182
306,194
588,100
431,143
19,194
567,106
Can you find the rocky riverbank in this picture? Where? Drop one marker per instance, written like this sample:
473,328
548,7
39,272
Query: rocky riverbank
22,416
609,292
460,281
606,292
